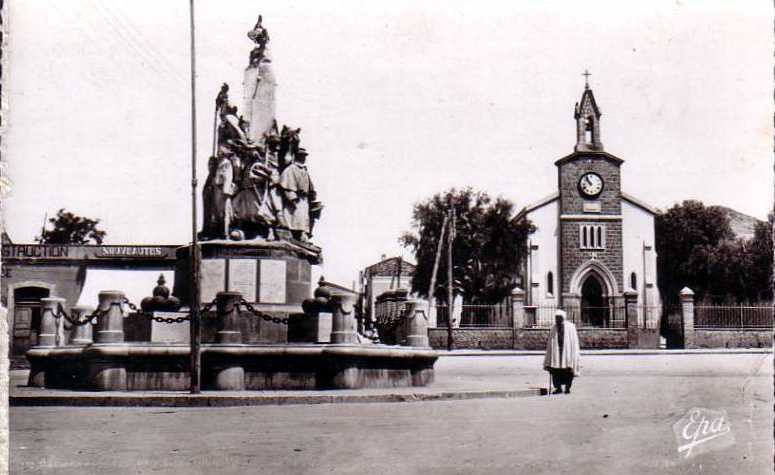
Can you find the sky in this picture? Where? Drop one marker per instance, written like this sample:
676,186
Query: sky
396,100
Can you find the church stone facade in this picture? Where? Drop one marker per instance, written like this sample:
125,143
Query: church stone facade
593,242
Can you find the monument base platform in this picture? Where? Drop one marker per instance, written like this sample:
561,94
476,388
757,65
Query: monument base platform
149,366
273,276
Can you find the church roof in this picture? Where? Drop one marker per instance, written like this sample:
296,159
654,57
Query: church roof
576,155
556,195
537,204
640,204
587,96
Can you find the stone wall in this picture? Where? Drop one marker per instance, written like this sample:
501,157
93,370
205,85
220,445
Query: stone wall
473,338
732,338
535,339
523,339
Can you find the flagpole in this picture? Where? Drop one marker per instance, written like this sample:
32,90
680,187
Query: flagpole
195,336
450,292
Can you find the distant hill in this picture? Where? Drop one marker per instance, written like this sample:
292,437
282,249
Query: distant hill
742,224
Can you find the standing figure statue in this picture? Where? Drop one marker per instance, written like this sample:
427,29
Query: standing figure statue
297,193
233,149
216,196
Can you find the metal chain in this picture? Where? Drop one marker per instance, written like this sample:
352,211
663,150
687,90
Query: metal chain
61,313
150,315
132,306
262,315
205,308
167,319
208,306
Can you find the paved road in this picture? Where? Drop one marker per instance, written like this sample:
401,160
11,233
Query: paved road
618,420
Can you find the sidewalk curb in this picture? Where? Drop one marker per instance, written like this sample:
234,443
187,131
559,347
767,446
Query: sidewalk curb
207,400
701,351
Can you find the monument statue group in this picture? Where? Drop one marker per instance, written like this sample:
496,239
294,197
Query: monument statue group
258,186
259,328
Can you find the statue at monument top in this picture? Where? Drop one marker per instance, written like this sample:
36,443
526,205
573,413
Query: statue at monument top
258,186
260,36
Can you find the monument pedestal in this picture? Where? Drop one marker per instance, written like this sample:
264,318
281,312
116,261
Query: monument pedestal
273,276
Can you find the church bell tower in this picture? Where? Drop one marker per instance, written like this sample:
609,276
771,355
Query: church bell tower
590,258
587,116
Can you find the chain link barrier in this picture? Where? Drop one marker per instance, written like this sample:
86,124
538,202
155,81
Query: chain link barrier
61,313
205,308
265,316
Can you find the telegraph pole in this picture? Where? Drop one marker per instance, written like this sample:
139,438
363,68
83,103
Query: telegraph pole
195,334
450,292
439,245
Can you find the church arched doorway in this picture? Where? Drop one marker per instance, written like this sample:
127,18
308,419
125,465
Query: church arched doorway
594,304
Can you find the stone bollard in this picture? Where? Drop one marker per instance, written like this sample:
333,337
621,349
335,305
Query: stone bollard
228,317
631,309
228,374
687,315
109,374
81,334
343,322
417,324
631,318
49,323
110,325
518,308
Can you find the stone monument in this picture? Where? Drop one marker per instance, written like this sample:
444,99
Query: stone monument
259,210
259,85
259,202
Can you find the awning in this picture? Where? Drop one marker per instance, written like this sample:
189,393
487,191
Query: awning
136,284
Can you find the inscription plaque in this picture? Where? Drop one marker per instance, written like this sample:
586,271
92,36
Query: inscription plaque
213,278
592,207
242,278
272,282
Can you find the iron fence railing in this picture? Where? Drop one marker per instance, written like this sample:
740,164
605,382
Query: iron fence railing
611,316
649,316
477,316
720,316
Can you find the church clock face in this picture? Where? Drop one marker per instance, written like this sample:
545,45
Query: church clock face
590,185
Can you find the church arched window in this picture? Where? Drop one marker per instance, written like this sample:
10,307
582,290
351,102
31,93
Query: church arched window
550,284
633,281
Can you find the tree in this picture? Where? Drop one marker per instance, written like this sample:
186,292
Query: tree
71,229
687,236
488,249
697,248
760,250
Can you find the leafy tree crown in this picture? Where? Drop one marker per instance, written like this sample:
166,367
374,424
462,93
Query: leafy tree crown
488,249
69,228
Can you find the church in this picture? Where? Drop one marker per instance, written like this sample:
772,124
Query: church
593,242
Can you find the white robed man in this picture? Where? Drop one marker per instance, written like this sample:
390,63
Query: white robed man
562,359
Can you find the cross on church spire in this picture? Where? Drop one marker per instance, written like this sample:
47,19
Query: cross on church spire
586,75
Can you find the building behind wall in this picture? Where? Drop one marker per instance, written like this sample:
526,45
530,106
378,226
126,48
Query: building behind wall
75,273
387,274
